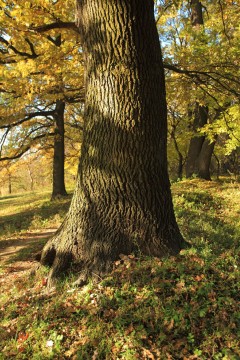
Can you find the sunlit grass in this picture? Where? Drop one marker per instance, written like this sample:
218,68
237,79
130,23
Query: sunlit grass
29,211
183,307
12,204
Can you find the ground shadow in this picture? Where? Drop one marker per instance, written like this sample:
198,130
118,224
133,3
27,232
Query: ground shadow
10,224
23,248
214,228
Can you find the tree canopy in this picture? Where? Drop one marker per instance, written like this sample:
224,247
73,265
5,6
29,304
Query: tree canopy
40,55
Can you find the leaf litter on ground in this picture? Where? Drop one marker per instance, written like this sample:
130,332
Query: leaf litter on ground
183,307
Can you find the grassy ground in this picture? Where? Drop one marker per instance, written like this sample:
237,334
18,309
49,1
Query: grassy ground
27,211
184,307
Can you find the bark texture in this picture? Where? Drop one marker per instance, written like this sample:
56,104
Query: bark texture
59,152
196,142
204,159
122,201
200,149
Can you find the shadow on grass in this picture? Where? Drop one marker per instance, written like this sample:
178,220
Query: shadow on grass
23,220
23,248
22,199
20,246
7,197
202,220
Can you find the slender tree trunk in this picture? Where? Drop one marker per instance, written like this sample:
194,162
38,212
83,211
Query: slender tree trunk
122,201
218,164
180,166
179,154
59,152
9,184
30,176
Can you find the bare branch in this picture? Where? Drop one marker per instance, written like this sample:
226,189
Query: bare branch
27,118
31,47
201,77
16,51
75,125
25,148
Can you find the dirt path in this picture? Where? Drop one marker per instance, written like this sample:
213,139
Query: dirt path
10,248
17,254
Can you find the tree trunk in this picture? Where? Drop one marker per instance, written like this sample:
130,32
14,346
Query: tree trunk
58,156
30,176
196,15
204,160
179,154
218,165
122,201
9,184
196,142
180,166
200,150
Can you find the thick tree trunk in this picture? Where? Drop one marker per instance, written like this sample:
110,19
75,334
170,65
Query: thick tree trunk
200,150
58,156
204,160
196,142
122,201
196,15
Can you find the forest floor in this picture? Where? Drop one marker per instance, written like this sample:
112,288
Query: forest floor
183,307
23,246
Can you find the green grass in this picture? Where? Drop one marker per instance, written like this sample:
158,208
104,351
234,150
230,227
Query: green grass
30,211
183,307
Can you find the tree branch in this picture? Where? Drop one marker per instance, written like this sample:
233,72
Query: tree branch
29,117
199,77
25,148
55,25
17,52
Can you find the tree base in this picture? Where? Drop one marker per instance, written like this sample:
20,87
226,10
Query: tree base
62,256
58,196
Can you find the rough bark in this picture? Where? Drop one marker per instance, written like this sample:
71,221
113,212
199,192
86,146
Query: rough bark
200,149
59,152
122,201
196,142
204,160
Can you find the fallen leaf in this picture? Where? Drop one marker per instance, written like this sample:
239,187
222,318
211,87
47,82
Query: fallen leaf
22,337
44,282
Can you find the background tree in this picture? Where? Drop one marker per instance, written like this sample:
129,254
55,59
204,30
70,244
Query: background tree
202,65
40,51
39,77
200,149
